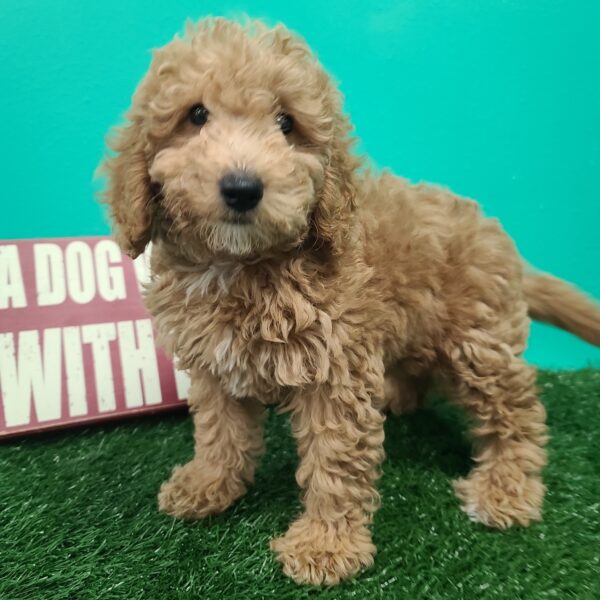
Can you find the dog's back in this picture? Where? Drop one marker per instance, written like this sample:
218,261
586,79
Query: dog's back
442,264
437,254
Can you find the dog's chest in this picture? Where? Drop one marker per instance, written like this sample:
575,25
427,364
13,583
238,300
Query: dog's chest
259,337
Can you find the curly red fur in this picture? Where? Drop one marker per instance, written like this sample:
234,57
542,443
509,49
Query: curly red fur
342,293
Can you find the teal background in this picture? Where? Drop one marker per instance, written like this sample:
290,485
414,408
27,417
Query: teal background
498,99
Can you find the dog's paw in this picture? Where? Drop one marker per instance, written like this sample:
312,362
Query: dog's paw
315,552
195,490
501,500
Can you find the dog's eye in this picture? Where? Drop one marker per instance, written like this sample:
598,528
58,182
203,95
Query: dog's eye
285,122
198,114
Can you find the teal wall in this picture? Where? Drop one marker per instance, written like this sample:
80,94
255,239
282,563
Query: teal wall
497,99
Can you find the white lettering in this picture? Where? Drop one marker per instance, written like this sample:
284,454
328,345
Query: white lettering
141,266
111,280
12,290
26,374
182,383
80,272
139,359
99,337
76,390
49,274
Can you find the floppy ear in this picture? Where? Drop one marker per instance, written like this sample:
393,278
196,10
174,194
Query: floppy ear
337,197
128,191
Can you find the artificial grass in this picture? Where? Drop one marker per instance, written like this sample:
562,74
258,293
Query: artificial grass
78,515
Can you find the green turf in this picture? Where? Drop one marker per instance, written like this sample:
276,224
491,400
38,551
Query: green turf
78,515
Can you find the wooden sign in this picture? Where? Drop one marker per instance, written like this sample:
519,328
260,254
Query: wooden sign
76,344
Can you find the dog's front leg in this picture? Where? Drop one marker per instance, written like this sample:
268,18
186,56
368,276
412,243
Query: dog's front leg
340,443
228,439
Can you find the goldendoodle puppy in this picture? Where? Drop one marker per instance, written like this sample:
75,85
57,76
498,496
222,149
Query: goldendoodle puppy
284,274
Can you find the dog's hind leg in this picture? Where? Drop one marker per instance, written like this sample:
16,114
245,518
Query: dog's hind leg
498,390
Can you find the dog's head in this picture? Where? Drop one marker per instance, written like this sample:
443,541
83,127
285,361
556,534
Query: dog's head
235,144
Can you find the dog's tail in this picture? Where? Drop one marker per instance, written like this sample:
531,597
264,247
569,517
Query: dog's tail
554,301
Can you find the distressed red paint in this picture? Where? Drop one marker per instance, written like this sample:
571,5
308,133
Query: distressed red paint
58,298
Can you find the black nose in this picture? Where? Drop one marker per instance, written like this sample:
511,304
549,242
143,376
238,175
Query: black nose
241,191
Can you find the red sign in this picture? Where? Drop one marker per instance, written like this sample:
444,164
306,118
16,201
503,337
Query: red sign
76,344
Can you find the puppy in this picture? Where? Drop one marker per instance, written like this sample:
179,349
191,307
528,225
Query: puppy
283,274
